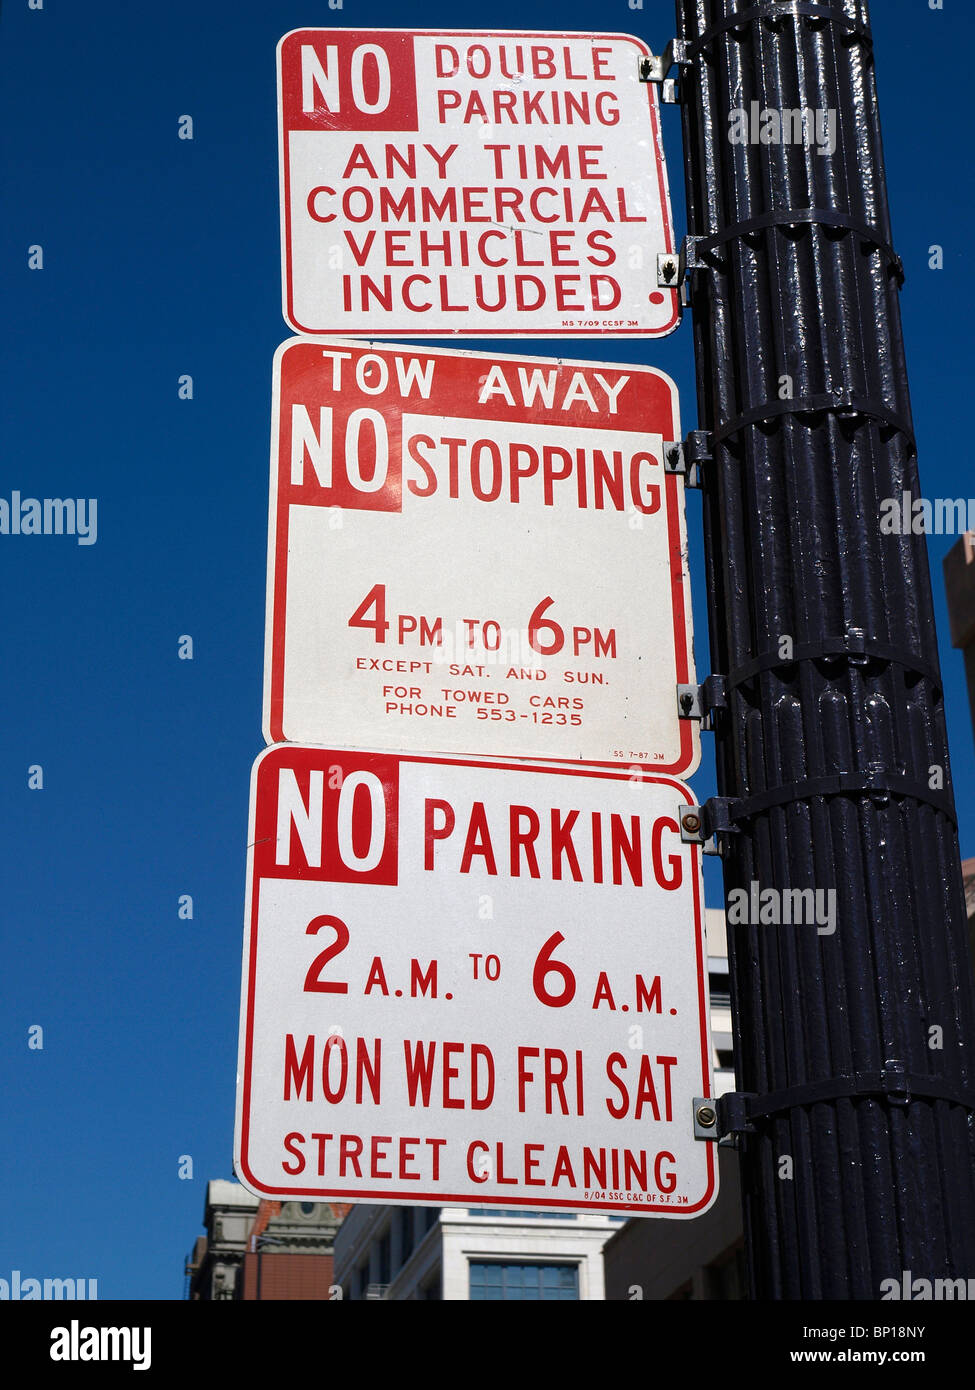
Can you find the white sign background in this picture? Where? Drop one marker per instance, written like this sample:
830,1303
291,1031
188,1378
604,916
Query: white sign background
624,1057
536,167
616,574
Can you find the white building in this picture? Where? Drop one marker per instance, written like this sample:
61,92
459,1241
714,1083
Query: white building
471,1253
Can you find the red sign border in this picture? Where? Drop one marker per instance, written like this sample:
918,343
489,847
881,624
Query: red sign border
415,331
243,1107
277,552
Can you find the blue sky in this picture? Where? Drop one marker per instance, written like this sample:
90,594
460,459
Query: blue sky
161,257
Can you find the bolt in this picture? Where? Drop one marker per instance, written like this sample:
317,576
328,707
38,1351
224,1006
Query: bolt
691,823
669,270
707,1116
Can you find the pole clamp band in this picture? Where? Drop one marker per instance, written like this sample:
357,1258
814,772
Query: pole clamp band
843,403
738,1111
853,647
782,9
790,219
880,784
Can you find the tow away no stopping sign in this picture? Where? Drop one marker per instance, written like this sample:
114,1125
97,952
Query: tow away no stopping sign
476,552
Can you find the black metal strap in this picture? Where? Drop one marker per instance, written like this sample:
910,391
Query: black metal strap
697,447
738,1111
781,9
825,648
719,816
840,402
843,784
789,218
714,692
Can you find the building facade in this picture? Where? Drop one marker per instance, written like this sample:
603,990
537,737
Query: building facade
215,1269
471,1254
256,1250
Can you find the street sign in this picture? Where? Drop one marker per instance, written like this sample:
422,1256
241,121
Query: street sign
476,552
468,982
436,182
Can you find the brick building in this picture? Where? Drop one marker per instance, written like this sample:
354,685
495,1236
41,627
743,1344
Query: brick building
256,1250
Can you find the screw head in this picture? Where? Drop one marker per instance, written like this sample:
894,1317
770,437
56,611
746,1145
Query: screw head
691,823
707,1116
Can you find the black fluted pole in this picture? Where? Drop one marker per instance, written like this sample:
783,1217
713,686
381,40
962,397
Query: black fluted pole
854,1047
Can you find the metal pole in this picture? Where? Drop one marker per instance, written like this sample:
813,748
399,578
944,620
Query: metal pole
854,1046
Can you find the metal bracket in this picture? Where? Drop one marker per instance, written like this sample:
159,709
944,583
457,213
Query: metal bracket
733,1118
674,460
691,261
717,815
699,701
715,694
673,268
670,269
697,451
691,822
689,250
690,702
656,67
686,457
705,1118
701,825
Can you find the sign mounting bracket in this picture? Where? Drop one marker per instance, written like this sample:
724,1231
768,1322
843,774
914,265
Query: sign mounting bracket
699,701
656,67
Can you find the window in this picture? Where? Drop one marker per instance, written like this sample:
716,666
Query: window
719,983
493,1279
